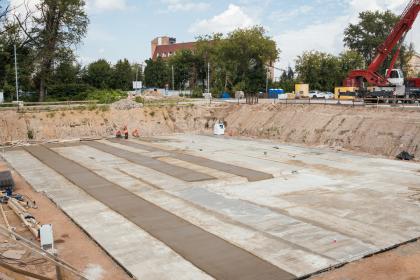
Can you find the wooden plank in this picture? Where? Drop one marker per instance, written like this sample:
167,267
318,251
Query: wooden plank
6,221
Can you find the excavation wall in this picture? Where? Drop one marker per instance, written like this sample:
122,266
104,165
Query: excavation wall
380,131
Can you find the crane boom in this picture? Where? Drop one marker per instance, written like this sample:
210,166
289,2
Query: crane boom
396,37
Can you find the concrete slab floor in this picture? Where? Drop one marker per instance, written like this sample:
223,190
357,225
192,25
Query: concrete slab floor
321,207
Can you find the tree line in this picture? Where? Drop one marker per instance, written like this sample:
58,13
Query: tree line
237,61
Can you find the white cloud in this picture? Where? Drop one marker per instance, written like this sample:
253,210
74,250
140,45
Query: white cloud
281,16
328,35
106,5
232,18
185,6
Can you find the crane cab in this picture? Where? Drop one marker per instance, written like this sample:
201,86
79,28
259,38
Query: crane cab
396,77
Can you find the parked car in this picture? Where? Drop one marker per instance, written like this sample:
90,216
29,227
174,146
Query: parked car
329,95
316,94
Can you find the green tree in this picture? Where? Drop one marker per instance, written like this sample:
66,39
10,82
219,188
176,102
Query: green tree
350,60
25,55
287,80
239,60
98,74
156,73
66,72
137,70
320,70
122,75
185,65
323,71
370,32
59,25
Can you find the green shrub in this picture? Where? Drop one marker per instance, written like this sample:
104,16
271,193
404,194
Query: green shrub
139,99
68,92
106,96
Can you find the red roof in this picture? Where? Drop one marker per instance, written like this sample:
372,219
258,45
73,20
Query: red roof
171,49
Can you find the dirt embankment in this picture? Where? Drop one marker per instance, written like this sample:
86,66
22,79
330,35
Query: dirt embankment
377,131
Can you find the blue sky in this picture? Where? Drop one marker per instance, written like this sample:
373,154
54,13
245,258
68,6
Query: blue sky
124,28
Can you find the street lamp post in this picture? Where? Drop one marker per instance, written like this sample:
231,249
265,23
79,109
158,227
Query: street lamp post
208,77
16,75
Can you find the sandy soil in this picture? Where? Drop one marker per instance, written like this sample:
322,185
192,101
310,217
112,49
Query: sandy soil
377,131
402,263
73,245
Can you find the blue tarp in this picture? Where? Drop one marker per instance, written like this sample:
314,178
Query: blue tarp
225,95
274,93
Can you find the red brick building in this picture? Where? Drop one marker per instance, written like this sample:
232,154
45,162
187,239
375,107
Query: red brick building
165,47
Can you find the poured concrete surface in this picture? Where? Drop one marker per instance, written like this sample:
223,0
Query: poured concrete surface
320,209
250,174
175,171
212,254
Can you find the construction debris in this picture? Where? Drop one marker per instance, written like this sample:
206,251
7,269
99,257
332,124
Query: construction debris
14,254
29,220
125,104
152,93
405,156
6,180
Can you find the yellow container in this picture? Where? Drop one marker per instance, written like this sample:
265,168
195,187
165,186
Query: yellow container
302,90
345,93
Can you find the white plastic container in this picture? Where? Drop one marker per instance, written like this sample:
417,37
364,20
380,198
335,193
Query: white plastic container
219,128
47,238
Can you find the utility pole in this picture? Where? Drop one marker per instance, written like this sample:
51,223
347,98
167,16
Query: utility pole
137,78
173,78
266,82
208,77
16,75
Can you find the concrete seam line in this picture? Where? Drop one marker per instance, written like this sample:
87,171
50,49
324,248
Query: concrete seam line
211,264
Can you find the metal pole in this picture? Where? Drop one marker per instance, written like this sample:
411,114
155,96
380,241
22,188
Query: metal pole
266,82
173,78
208,77
16,73
137,75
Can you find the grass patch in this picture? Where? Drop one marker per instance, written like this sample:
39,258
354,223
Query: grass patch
92,107
105,108
106,96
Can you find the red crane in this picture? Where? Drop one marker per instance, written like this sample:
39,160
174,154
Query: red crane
396,37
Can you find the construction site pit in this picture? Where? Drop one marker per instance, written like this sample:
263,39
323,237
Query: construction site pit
203,207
